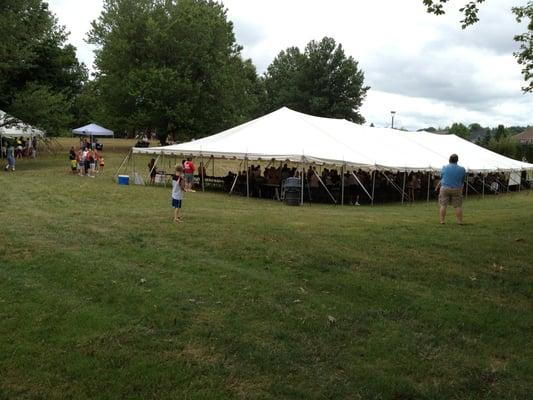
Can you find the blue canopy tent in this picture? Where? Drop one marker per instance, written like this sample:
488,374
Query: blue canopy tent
93,130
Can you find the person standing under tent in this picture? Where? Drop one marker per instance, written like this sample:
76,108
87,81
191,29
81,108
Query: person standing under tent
178,187
188,170
451,189
10,157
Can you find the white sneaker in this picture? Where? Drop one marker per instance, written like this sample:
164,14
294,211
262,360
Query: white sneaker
357,203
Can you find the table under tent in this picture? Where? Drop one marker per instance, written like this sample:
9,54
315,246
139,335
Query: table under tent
93,130
287,136
13,129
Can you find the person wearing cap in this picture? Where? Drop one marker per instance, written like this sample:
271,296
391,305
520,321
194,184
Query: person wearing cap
451,189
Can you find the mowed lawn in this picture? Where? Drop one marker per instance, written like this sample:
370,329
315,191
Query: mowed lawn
102,296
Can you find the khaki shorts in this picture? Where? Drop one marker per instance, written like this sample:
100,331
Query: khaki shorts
449,196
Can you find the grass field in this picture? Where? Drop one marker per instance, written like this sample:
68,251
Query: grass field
102,296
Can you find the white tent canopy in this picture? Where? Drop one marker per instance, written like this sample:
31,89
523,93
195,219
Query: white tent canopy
17,130
92,130
287,135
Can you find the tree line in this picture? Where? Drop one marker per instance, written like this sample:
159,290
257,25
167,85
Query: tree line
172,67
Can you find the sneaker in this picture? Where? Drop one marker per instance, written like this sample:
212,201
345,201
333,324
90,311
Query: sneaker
357,203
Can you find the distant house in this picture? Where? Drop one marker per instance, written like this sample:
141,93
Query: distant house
525,137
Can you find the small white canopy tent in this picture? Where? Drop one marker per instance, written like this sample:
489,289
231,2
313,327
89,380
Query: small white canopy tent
93,130
287,135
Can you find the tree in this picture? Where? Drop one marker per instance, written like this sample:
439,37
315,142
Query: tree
321,81
37,66
173,66
500,133
460,130
524,56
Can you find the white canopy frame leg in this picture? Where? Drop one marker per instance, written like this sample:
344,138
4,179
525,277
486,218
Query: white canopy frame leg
373,187
371,197
520,182
325,187
403,185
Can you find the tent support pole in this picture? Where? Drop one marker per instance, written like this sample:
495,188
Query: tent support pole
235,180
394,185
325,187
342,185
363,186
483,181
520,183
234,183
302,188
247,177
403,186
123,162
213,166
202,172
373,187
429,184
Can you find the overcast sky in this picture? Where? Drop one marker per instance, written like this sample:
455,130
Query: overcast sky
424,67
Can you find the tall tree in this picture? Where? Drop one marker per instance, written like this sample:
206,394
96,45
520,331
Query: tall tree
171,65
460,130
37,65
321,81
470,11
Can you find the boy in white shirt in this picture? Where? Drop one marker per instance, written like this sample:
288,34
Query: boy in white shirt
178,187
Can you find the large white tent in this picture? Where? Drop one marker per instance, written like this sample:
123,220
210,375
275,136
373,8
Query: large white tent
287,135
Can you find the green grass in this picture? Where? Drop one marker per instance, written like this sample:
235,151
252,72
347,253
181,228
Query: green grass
103,296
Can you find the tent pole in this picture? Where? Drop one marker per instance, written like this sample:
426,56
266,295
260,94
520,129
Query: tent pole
325,187
202,172
234,183
361,184
373,187
403,186
302,188
213,167
247,177
342,185
520,183
429,185
123,162
483,181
